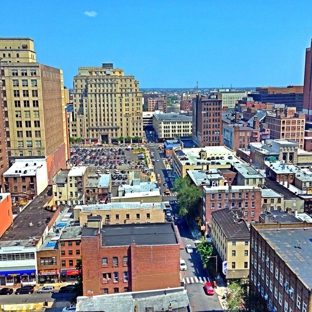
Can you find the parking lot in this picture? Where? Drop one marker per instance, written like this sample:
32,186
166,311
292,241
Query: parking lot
121,162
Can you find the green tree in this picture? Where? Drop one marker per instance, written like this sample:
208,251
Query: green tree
120,139
71,140
205,251
128,139
234,299
136,139
188,196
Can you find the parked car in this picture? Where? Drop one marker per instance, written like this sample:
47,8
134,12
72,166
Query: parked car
66,289
183,266
24,290
209,289
6,291
189,249
46,289
72,307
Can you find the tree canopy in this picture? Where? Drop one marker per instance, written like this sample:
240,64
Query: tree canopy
205,250
188,196
235,297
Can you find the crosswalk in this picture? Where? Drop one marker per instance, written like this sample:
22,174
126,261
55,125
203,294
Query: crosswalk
195,280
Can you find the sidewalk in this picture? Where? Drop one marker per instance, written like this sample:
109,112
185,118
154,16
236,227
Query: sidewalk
220,291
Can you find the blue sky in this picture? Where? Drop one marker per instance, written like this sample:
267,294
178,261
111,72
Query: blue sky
169,43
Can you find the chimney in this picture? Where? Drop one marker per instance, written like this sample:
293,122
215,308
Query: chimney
256,123
236,116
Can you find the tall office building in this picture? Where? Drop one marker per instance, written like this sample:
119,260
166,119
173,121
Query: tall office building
106,105
33,105
207,121
307,85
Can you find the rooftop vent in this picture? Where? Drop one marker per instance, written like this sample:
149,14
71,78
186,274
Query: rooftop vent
30,224
26,165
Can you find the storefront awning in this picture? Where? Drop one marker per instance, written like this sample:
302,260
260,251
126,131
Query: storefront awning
72,272
49,272
16,273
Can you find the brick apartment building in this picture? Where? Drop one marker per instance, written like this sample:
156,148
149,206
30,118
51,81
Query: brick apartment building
245,201
130,257
280,266
207,121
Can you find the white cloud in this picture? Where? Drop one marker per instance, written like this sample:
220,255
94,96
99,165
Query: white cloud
90,13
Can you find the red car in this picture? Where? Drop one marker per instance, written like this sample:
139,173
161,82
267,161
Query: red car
209,289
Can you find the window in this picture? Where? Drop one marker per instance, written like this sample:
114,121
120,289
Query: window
271,266
15,83
33,72
280,298
117,216
212,196
18,124
105,291
70,252
126,289
233,243
18,114
35,103
63,252
26,103
38,143
304,307
34,93
115,277
25,93
246,253
28,134
233,253
16,93
298,303
62,243
19,134
233,265
33,82
45,260
77,252
125,277
212,205
70,262
245,265
276,273
267,280
63,263
271,286
106,276
70,243
36,113
246,243
125,261
14,72
25,83
17,104
24,72
104,262
275,292
27,114
137,216
116,290
148,216
281,279
37,123
115,261
37,134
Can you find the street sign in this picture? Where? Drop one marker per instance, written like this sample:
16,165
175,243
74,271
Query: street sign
224,267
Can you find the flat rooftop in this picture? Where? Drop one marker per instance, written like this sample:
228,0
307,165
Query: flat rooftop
204,177
294,246
277,216
288,195
77,171
71,232
247,171
140,234
31,222
268,193
61,177
121,205
25,167
173,117
150,300
230,188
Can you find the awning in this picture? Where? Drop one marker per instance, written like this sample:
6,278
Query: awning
72,272
16,273
49,272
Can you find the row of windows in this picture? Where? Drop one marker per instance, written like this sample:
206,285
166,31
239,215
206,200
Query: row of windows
27,114
25,93
116,290
29,143
24,72
28,134
70,243
233,204
48,261
221,196
17,256
70,252
26,103
24,83
19,123
277,294
70,263
115,277
114,261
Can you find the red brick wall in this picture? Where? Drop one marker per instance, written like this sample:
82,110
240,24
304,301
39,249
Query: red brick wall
149,267
155,267
6,216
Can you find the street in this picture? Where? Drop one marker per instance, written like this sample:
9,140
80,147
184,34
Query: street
195,276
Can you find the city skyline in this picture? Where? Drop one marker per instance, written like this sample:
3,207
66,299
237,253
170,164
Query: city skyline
170,44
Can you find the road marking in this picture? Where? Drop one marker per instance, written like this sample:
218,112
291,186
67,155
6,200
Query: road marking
187,280
204,279
192,281
196,279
